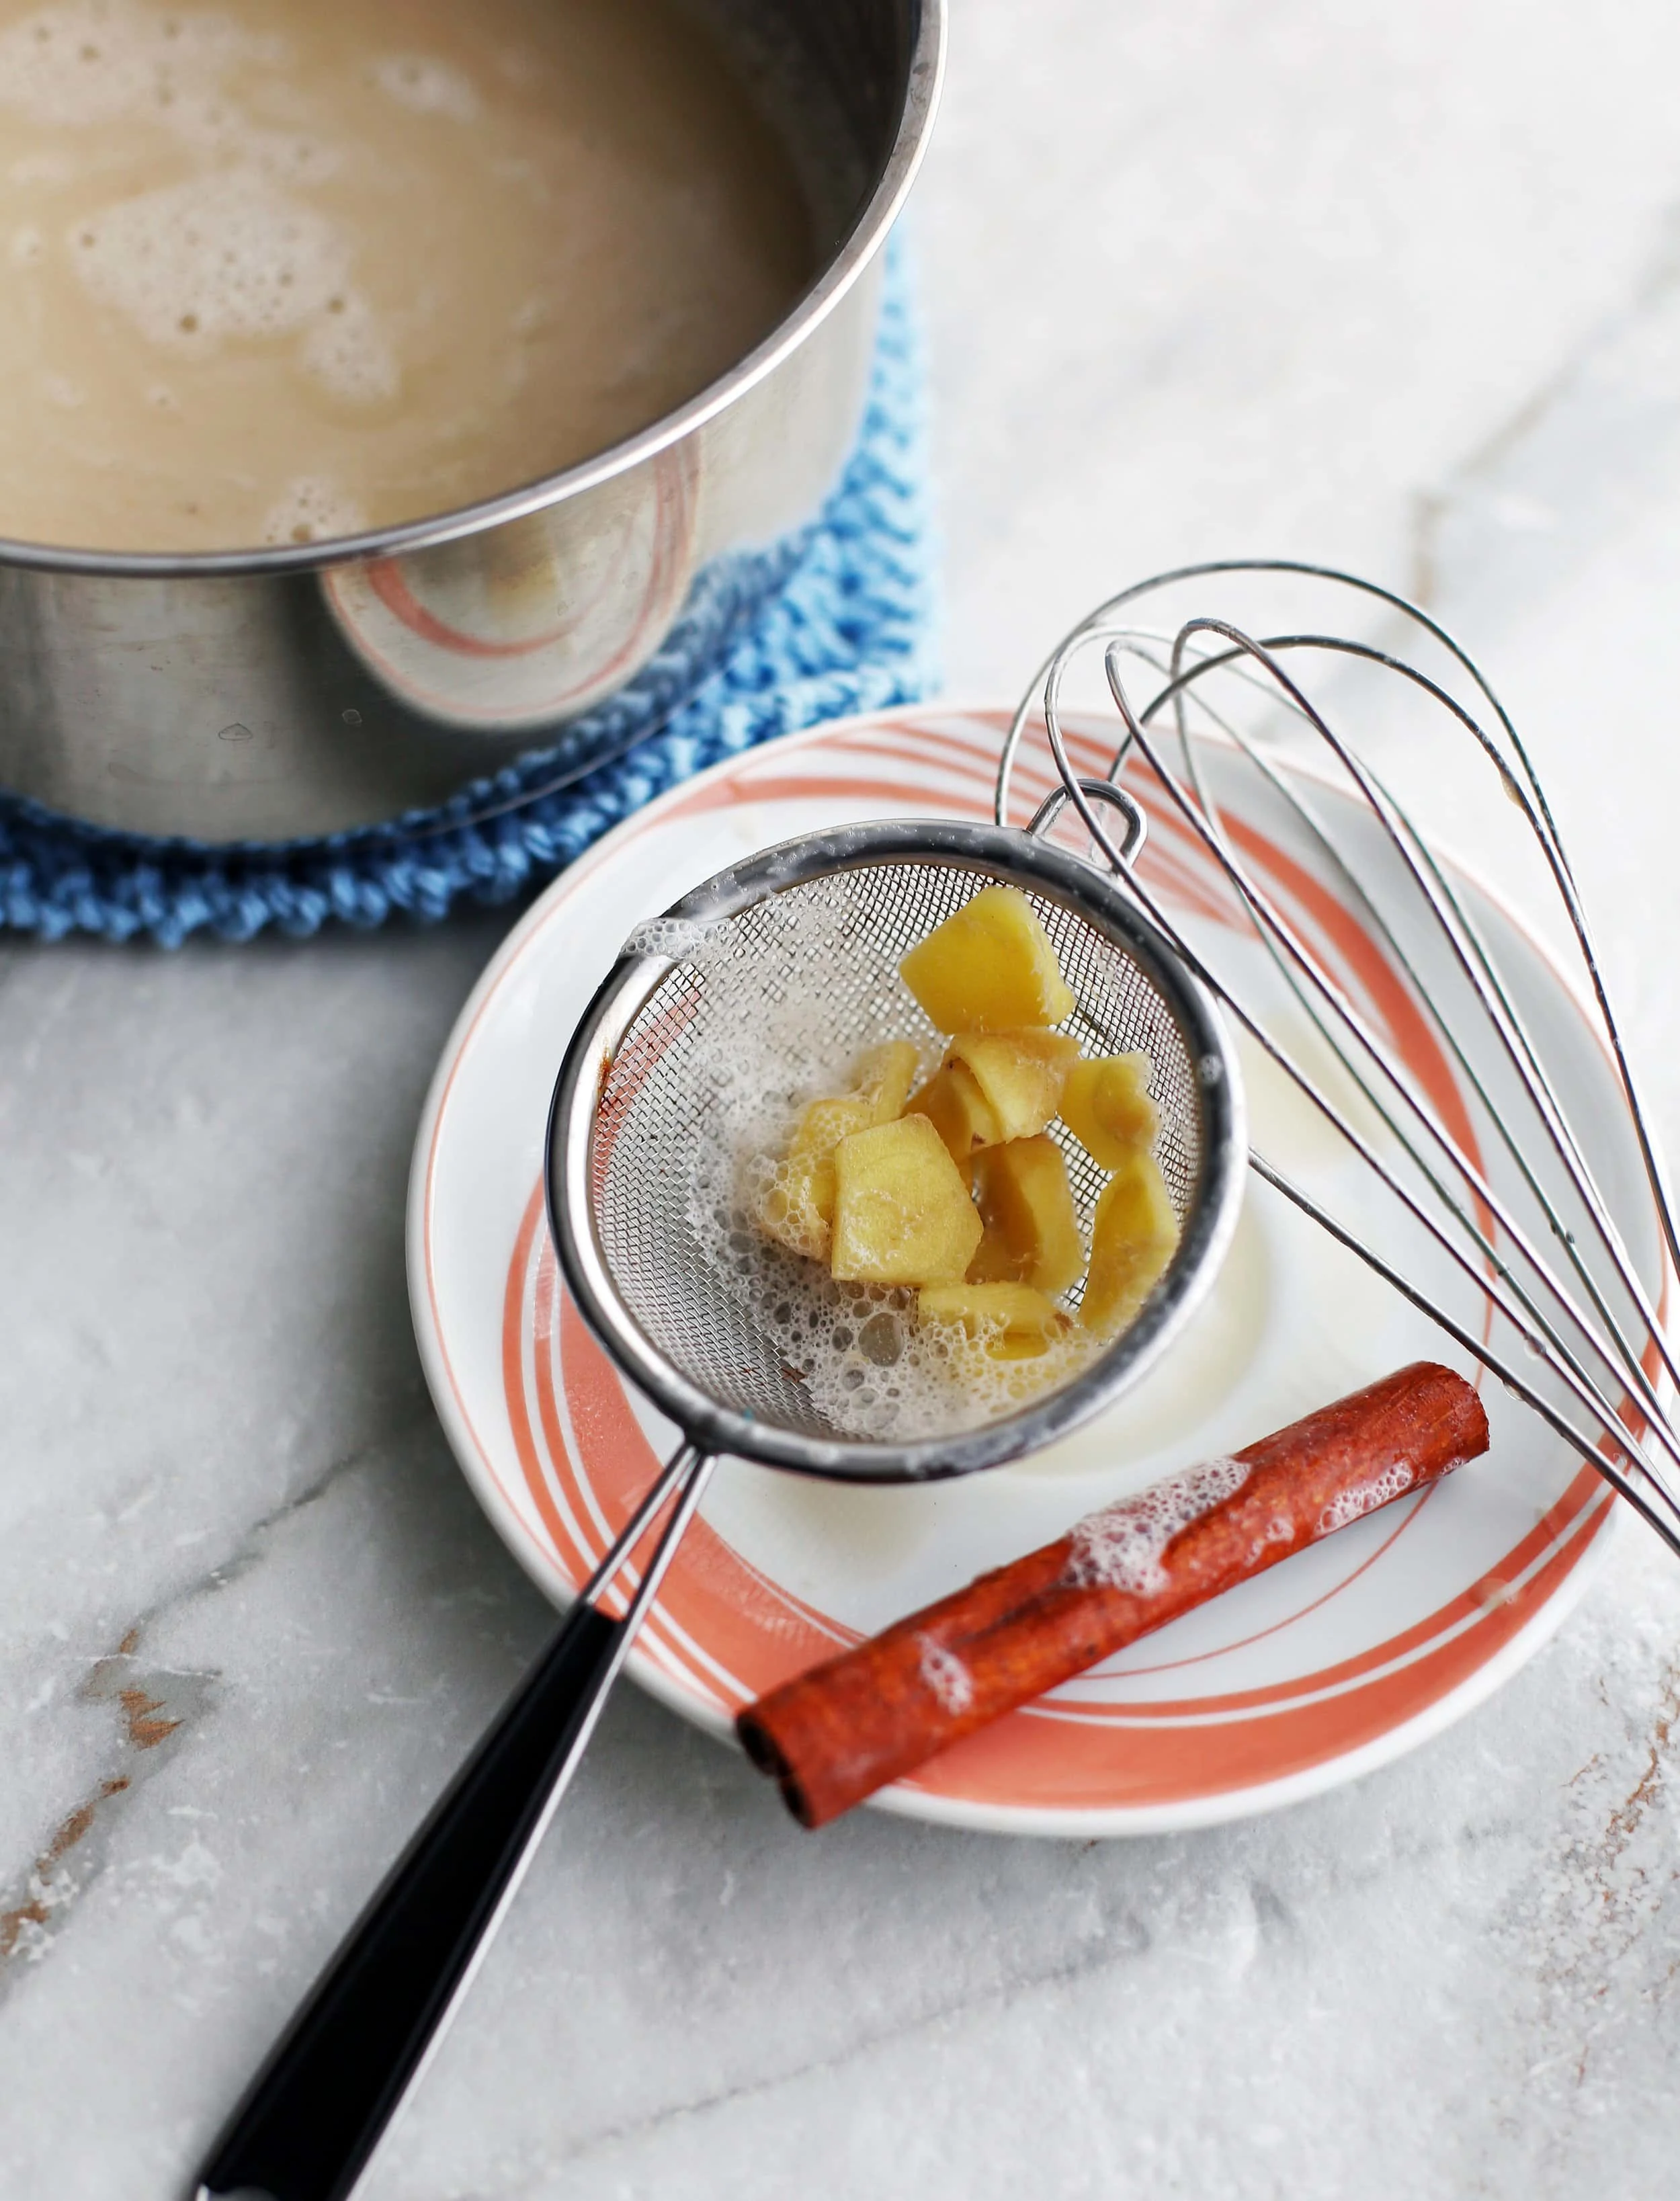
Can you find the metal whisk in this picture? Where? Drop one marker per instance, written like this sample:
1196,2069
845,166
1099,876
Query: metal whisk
1503,1187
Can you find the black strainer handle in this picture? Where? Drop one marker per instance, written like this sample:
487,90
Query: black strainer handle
310,2120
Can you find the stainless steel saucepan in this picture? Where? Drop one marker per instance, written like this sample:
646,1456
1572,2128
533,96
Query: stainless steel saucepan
274,694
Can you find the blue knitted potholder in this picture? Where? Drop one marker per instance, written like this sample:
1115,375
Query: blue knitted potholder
849,630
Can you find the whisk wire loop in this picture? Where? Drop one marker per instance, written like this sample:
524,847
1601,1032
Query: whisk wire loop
1507,1292
1179,690
1477,966
1469,952
1589,1339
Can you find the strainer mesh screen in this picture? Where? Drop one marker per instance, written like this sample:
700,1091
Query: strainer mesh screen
658,1107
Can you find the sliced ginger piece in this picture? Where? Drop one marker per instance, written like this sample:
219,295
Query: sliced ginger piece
1021,1074
825,1123
953,1104
884,1076
1026,1205
1134,1235
1015,1322
901,1210
1106,1104
797,1207
988,968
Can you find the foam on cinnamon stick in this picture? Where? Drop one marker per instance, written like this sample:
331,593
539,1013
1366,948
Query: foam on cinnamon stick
834,1734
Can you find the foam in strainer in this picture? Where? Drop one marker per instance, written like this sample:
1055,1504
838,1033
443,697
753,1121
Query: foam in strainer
867,1364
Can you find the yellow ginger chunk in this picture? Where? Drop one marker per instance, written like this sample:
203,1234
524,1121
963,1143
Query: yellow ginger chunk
1134,1235
1032,1236
825,1123
988,968
901,1210
1021,1074
797,1207
957,1109
885,1078
1015,1322
1106,1104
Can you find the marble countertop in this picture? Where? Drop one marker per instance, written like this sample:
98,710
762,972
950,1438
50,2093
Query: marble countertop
1396,287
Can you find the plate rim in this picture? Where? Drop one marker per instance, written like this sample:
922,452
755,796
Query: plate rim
1598,1529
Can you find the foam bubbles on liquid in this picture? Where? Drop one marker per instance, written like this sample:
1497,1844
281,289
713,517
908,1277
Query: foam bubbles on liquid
106,62
1122,1546
865,1362
945,1676
210,125
311,509
1353,1505
765,1047
230,257
426,86
212,257
80,63
229,253
347,352
83,62
680,938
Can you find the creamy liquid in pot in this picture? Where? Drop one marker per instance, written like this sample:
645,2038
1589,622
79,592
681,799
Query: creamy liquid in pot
275,272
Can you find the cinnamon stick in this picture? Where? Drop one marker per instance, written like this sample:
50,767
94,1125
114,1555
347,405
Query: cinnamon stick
834,1734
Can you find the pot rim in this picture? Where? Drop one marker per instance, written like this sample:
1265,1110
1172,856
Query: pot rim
863,242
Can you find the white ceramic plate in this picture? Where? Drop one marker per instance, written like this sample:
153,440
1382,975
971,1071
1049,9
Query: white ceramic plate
1333,1662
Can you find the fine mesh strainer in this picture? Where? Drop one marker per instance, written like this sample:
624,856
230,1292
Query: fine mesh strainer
635,1109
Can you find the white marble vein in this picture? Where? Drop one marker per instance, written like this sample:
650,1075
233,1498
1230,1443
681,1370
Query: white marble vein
1391,286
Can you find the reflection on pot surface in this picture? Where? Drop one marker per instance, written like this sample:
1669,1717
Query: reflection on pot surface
537,621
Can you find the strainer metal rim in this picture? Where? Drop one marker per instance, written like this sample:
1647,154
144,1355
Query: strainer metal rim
1012,856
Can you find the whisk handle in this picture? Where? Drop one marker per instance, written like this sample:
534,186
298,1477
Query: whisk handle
311,2119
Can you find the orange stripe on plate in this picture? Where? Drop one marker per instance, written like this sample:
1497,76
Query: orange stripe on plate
1025,1760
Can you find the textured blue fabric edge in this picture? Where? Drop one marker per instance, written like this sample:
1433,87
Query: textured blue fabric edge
850,629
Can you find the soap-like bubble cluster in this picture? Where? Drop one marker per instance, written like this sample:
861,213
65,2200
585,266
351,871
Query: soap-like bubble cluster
82,62
346,350
311,510
681,938
1122,1546
228,253
1353,1504
767,1046
944,1675
426,86
867,1366
212,257
228,256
